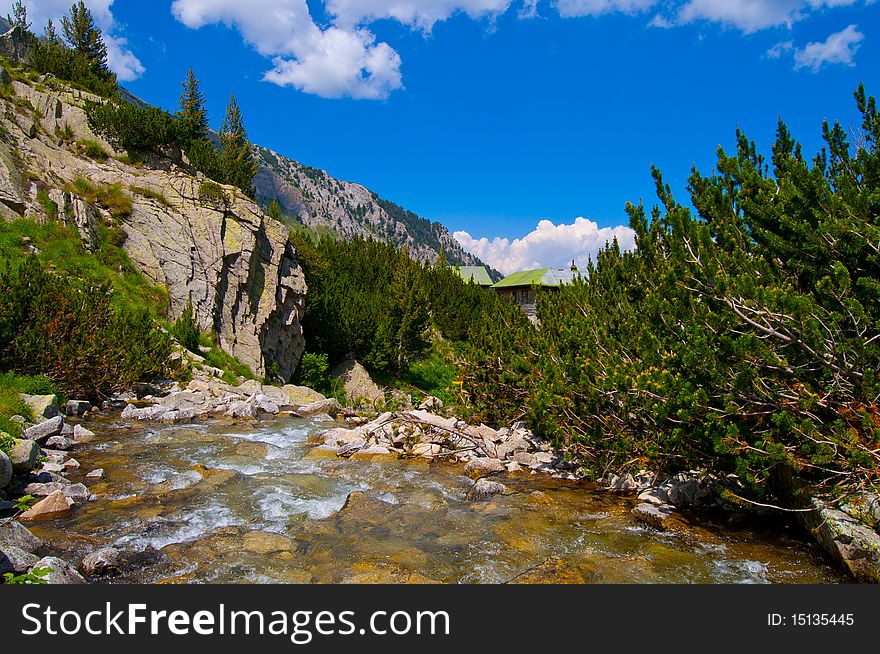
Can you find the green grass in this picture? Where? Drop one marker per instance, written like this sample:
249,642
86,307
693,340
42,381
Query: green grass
93,150
62,250
232,368
113,198
11,403
151,195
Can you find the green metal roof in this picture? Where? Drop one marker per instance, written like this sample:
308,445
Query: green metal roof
477,274
523,278
539,277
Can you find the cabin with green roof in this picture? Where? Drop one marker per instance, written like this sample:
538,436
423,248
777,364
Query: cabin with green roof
523,287
479,275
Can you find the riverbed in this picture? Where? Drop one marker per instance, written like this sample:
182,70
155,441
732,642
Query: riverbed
256,503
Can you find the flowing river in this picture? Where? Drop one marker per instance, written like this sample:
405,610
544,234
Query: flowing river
229,503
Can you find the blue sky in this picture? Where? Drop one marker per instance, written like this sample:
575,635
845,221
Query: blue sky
494,115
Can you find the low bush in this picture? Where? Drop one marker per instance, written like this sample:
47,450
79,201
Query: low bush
93,150
132,128
212,194
314,372
186,329
69,331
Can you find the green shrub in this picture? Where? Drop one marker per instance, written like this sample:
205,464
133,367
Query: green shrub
231,367
7,442
93,150
186,329
212,194
131,128
113,198
205,158
434,376
70,332
314,371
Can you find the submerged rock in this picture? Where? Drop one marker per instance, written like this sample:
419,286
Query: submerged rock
102,562
482,467
484,489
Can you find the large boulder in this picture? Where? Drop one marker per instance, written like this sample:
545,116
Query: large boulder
359,386
24,455
16,560
61,572
53,506
45,430
301,395
324,407
15,534
42,407
101,562
483,467
484,489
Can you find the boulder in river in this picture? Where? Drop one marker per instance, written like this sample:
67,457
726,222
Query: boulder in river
101,562
16,560
53,506
484,489
77,407
61,572
15,534
483,467
45,430
24,455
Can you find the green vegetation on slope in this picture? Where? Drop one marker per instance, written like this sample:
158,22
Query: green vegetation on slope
743,339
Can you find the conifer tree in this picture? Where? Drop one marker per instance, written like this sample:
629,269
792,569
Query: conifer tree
50,34
19,17
236,159
192,108
84,37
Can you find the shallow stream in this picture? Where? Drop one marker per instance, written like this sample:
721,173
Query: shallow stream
240,504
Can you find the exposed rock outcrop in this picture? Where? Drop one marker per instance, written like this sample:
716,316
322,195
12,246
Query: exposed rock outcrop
231,261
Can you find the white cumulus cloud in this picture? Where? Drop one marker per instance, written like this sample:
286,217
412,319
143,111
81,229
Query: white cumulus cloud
839,48
422,14
753,15
332,63
121,59
547,246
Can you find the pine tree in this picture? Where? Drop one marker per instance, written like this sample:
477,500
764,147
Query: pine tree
274,211
236,158
50,34
19,16
192,108
84,37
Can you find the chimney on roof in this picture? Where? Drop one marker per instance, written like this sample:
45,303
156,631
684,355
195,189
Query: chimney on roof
574,266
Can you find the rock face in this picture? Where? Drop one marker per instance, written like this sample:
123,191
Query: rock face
234,263
350,209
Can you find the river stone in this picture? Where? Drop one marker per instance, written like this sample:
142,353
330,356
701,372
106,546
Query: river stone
661,516
326,407
264,542
82,435
43,407
510,447
45,430
61,571
242,410
50,466
301,395
24,455
77,408
15,560
684,494
482,467
426,450
60,443
146,414
96,474
656,496
54,506
484,489
103,561
15,534
250,387
5,470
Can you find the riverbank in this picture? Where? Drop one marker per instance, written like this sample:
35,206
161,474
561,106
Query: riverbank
218,447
